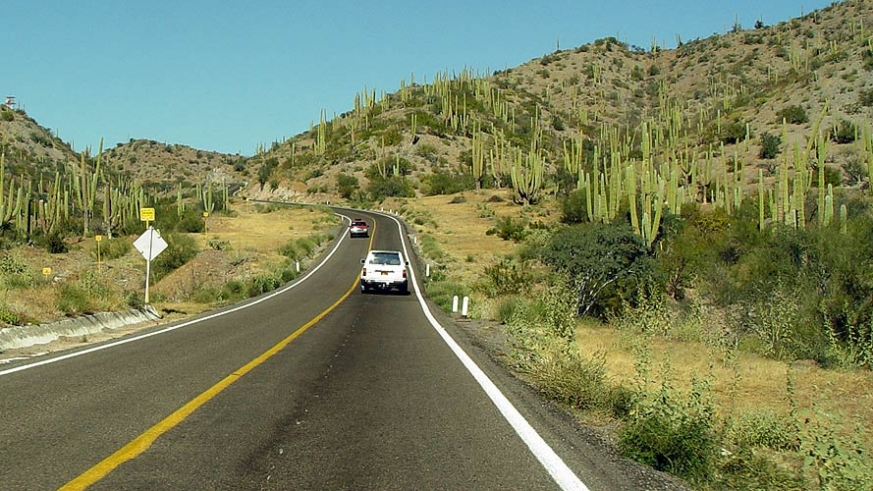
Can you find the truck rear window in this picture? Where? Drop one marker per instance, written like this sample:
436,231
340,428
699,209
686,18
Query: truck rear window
391,259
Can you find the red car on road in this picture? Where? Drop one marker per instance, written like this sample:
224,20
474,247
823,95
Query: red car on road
359,228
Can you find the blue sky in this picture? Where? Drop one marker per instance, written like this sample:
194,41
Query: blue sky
229,75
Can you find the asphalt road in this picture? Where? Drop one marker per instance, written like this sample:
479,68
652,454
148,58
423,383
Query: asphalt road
315,387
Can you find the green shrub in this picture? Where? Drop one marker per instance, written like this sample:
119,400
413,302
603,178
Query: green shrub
441,182
865,97
54,243
390,187
346,185
649,316
571,378
844,132
835,461
505,277
673,432
430,248
574,208
112,248
8,317
289,273
190,222
746,469
764,429
208,295
793,115
218,244
503,307
134,300
734,132
263,283
73,300
300,248
770,146
605,264
12,265
550,315
443,291
95,285
832,176
233,290
180,249
291,250
508,228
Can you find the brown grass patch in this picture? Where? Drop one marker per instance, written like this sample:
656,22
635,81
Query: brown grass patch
262,228
460,227
251,240
750,382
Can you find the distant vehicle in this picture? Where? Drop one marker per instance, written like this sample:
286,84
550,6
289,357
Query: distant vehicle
359,228
384,270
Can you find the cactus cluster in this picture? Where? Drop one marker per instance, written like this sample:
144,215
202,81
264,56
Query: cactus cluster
28,207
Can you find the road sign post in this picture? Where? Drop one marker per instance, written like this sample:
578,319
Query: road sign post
149,244
98,239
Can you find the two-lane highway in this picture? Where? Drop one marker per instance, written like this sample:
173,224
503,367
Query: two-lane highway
314,387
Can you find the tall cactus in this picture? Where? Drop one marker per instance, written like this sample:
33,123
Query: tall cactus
206,198
85,187
478,155
527,178
180,204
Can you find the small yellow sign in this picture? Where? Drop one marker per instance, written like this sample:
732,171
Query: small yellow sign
205,214
46,271
147,214
98,238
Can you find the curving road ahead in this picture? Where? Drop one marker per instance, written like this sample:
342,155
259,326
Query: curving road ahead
313,387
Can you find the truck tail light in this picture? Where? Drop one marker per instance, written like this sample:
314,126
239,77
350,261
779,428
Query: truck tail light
404,273
364,272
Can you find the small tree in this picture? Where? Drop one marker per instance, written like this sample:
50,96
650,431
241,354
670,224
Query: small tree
597,257
346,185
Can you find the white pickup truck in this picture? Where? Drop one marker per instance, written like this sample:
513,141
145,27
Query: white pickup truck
384,270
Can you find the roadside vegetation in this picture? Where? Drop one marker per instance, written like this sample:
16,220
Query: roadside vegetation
732,357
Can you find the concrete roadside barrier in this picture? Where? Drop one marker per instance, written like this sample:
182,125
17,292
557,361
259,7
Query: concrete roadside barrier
26,336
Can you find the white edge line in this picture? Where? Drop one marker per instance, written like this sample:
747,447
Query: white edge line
554,465
187,323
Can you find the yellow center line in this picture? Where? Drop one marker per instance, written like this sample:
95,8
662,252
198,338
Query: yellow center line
141,443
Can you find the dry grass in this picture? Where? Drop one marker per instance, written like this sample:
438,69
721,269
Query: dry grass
261,228
251,240
254,234
460,227
747,383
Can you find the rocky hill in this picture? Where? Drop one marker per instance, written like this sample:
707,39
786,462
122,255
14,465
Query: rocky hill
744,100
27,145
154,164
713,99
32,152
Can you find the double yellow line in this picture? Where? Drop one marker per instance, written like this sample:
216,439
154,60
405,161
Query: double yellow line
141,443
